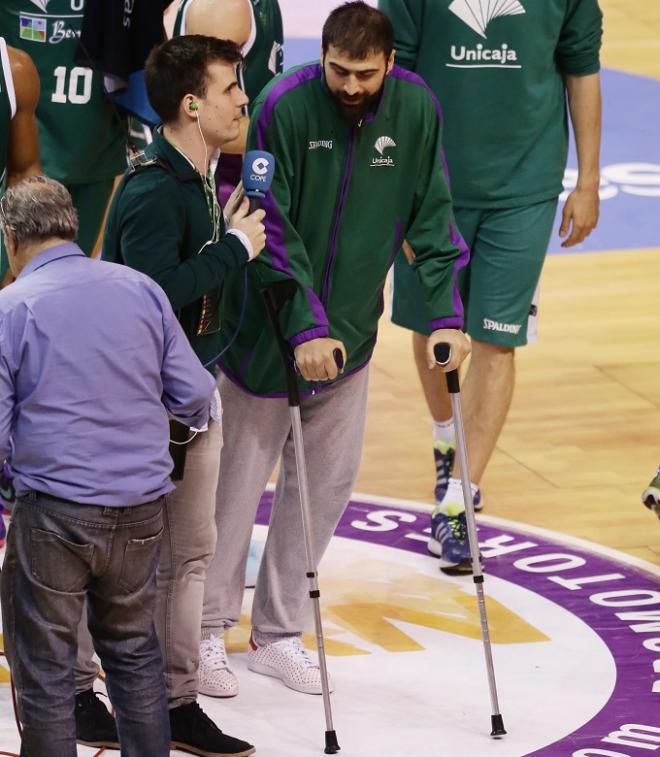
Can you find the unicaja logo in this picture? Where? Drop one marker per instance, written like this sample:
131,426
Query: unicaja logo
382,144
478,14
484,57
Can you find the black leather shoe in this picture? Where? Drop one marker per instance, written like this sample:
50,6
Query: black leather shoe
194,732
95,726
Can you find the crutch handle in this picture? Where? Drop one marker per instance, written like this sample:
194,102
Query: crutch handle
338,356
442,352
275,296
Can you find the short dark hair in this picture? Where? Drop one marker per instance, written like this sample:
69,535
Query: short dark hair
180,66
358,30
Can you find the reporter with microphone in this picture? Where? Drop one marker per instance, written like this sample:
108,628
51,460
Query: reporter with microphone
359,169
165,221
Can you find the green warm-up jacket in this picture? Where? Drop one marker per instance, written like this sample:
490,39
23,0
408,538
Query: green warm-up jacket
343,198
160,223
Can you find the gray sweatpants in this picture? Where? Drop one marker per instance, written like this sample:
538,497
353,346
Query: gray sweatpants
257,431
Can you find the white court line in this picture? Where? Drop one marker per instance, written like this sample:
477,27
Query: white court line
524,528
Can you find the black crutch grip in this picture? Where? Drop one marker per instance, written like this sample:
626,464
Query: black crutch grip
275,296
338,356
442,354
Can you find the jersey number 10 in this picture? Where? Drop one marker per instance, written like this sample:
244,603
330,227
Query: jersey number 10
79,90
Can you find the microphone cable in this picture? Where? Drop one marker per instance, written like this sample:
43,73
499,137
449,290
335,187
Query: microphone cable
211,189
239,325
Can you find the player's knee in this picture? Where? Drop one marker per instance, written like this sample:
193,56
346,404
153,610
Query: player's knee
492,353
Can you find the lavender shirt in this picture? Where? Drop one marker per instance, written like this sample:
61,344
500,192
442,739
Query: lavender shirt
91,359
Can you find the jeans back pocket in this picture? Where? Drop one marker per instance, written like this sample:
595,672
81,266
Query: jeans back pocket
140,561
58,563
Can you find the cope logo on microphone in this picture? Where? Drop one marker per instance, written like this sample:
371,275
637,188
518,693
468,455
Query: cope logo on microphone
260,168
258,172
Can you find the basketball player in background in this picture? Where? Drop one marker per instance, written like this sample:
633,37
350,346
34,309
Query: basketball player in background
82,137
19,94
508,78
19,158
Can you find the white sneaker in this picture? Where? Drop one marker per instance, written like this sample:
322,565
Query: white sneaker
216,679
289,661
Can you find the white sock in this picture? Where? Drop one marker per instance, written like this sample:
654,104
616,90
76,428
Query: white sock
443,431
453,503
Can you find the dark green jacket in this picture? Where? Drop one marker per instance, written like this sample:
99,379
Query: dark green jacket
498,70
342,200
159,223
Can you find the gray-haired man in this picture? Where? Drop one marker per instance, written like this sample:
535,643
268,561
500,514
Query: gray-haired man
93,359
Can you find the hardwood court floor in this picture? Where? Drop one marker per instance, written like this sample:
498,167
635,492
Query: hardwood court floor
583,436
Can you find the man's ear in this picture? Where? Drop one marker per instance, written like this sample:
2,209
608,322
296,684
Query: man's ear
10,246
390,62
189,108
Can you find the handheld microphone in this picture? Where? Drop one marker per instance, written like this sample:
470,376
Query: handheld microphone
258,172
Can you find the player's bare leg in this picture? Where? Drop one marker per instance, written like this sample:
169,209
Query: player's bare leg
487,392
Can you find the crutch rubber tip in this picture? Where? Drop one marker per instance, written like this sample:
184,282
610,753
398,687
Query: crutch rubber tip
331,743
497,725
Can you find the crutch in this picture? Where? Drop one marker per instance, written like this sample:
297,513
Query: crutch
274,297
442,356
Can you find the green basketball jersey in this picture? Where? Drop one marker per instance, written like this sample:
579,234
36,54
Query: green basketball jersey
7,109
263,52
81,136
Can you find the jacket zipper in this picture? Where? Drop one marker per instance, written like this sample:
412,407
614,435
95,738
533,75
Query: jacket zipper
332,247
343,192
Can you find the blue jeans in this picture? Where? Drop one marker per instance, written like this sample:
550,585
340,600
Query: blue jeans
60,554
188,547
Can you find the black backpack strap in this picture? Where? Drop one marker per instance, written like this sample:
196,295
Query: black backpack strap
138,164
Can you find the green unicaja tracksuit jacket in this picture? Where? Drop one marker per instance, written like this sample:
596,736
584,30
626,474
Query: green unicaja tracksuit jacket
342,200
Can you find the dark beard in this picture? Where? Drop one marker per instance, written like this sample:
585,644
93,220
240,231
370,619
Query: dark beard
355,113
